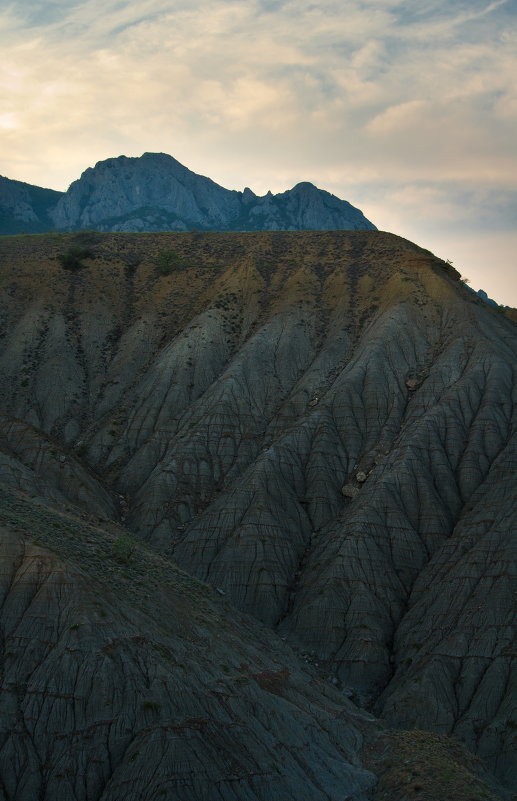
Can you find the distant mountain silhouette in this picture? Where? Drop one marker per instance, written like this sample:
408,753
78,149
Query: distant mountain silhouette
157,193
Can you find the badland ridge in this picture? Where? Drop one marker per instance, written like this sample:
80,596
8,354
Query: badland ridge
257,520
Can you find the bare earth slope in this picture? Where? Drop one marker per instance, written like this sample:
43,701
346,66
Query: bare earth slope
109,692
319,424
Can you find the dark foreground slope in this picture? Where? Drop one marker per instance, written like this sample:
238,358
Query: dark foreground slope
321,425
124,679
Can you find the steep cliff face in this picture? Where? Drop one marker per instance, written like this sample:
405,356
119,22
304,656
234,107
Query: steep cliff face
157,193
25,208
319,425
128,193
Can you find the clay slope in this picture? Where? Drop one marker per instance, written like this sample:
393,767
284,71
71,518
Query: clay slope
124,679
321,425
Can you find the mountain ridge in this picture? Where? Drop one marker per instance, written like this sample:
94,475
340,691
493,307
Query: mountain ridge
155,192
25,208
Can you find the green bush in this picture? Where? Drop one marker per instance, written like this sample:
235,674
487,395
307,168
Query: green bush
151,706
167,261
123,549
71,259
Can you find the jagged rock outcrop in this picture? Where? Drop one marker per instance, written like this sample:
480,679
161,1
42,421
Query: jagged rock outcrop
483,295
320,425
25,208
155,190
157,193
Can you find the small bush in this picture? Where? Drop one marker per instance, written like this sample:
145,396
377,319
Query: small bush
168,261
151,706
123,549
71,259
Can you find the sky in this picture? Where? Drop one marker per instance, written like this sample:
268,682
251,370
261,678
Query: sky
405,108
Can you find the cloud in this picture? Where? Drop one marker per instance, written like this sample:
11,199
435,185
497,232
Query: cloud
8,121
397,118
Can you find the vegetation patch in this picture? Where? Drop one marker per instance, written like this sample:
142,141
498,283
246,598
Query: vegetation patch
168,261
72,258
151,706
419,766
123,549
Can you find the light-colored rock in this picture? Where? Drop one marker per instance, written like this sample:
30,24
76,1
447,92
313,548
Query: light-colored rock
412,383
112,195
350,490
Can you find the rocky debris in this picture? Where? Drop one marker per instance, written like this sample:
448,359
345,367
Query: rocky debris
412,383
188,393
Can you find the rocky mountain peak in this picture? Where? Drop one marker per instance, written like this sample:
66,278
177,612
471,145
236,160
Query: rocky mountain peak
304,187
155,192
25,208
248,196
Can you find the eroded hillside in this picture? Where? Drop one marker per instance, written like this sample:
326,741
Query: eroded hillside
123,678
321,425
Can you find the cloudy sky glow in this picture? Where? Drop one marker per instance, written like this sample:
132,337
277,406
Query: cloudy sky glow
408,110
